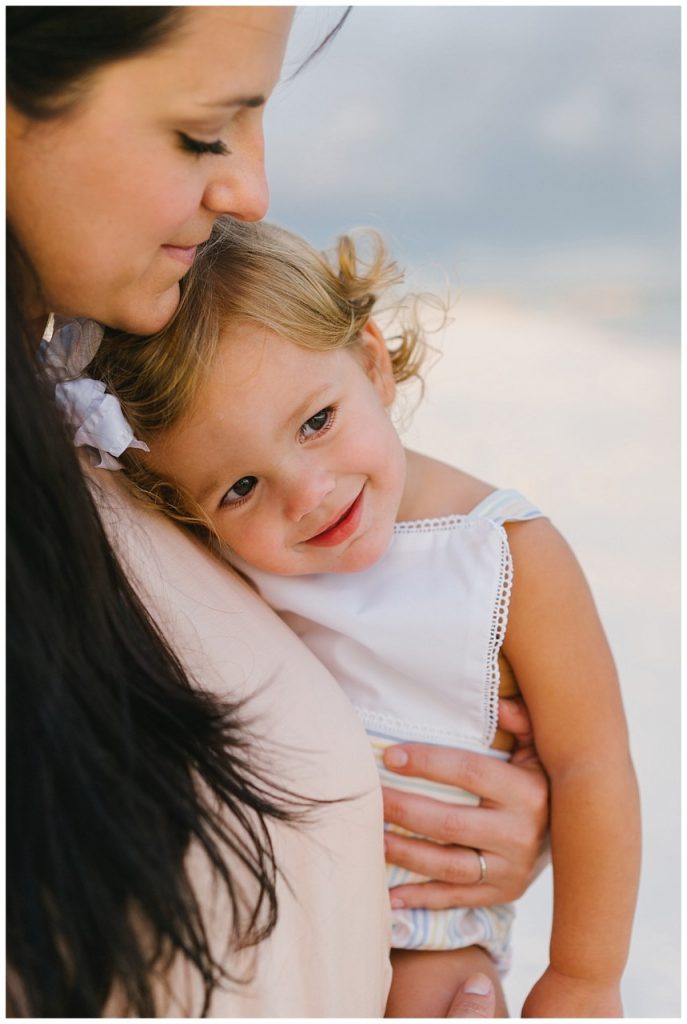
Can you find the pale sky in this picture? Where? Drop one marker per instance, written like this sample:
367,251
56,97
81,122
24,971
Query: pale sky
531,149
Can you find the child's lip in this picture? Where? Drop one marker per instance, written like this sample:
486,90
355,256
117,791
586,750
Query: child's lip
341,526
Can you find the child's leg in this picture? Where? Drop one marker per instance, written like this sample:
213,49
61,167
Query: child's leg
425,981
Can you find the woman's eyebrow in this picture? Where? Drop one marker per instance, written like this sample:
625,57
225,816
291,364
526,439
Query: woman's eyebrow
237,101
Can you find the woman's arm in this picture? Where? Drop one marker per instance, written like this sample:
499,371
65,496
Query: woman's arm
561,658
509,826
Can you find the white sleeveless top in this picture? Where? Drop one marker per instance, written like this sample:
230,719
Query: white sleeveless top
414,640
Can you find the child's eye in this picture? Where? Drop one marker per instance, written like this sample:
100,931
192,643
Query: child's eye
239,491
318,423
197,146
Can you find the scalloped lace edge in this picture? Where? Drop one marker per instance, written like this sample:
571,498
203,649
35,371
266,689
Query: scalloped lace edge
429,525
497,633
399,729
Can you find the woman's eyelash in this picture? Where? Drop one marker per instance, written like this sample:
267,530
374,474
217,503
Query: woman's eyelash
218,148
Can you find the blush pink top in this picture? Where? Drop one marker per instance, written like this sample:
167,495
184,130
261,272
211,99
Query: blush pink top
328,955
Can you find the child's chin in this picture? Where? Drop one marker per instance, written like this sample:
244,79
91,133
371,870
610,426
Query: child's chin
361,560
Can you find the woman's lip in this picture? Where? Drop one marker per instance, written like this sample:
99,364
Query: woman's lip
343,527
185,256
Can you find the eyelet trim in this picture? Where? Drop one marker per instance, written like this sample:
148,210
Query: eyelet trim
497,634
400,730
433,525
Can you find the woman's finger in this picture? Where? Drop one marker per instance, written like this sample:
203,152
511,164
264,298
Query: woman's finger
440,896
487,777
526,757
442,822
514,718
476,997
457,865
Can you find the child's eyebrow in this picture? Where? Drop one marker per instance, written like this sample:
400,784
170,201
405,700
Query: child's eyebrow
304,407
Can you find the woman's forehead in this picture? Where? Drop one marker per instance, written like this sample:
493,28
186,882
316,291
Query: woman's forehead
216,59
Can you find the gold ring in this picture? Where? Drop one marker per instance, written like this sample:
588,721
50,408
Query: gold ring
482,868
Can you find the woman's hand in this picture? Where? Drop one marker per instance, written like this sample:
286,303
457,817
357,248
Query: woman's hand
513,718
508,827
476,997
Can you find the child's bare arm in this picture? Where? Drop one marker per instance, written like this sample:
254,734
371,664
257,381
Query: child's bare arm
560,656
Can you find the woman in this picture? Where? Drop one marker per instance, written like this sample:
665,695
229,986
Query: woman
156,866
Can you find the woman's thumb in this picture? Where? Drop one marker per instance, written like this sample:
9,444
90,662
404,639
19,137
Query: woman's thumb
476,997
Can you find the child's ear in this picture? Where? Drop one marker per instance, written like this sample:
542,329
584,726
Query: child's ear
377,361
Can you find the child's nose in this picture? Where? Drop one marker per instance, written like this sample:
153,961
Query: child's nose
307,492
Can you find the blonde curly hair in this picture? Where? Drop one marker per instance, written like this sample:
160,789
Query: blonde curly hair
255,273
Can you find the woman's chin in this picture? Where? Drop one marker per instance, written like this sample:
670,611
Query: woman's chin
148,314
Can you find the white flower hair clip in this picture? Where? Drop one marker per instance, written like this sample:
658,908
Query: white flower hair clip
94,417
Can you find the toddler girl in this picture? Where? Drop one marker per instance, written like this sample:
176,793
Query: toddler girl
265,408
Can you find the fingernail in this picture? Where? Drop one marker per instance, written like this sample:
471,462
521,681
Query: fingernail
478,985
397,903
395,758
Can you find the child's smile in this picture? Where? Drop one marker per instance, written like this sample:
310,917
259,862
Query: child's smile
343,527
291,452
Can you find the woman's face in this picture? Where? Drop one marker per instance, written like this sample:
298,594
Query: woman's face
110,199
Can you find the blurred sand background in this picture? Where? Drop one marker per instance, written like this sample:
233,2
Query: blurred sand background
578,419
527,159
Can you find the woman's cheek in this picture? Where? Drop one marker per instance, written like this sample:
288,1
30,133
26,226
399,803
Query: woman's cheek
181,205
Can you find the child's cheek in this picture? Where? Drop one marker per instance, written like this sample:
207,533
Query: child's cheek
257,542
247,541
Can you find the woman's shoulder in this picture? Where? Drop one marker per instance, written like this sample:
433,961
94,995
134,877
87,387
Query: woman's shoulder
306,734
228,639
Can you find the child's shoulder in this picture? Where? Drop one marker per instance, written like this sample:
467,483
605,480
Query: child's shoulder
435,489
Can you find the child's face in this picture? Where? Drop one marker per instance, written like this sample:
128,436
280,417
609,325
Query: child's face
291,452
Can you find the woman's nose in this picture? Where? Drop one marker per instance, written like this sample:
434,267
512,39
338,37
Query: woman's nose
306,494
239,186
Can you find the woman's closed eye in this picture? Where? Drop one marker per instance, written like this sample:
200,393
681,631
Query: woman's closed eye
317,424
198,146
239,492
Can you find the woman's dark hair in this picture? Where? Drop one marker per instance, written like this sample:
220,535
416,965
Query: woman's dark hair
109,748
51,51
115,761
